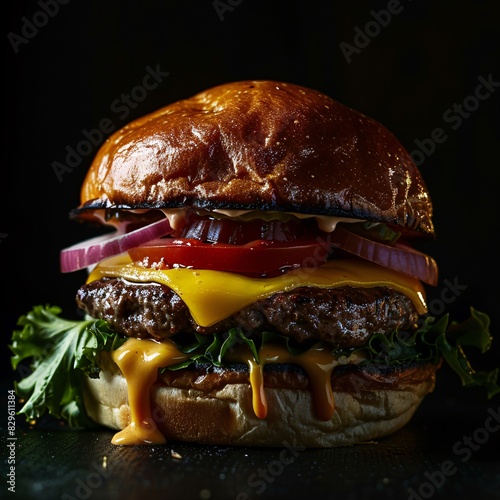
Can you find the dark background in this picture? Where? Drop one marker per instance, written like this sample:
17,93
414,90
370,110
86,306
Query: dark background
65,76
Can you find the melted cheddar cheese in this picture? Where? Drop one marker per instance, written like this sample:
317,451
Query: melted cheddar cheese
212,296
140,360
317,362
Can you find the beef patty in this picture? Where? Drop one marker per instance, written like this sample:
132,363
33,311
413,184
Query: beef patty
344,317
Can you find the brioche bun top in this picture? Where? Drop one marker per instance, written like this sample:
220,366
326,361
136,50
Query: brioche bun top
260,145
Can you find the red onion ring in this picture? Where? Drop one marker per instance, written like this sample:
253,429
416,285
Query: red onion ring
399,257
94,250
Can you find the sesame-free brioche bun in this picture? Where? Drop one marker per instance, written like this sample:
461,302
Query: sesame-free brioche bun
262,145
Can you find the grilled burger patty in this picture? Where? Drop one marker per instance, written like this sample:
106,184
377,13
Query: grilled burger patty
205,377
345,317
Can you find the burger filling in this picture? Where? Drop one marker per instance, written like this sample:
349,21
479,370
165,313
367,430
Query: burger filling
343,317
197,299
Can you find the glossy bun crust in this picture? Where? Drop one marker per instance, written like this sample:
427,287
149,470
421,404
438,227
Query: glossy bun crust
224,416
259,145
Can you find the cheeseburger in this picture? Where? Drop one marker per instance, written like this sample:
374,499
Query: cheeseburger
260,283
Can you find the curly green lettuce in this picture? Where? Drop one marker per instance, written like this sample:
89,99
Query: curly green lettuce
436,340
61,352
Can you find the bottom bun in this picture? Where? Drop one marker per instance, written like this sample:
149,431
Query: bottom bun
225,416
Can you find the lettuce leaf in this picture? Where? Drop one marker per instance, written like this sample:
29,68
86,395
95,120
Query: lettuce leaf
435,340
473,332
213,348
62,352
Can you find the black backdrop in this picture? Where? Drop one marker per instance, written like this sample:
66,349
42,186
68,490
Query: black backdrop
427,70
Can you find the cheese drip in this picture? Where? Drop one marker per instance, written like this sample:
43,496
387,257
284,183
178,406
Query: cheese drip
318,362
139,361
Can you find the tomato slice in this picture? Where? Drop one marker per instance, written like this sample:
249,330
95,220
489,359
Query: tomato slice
259,258
267,248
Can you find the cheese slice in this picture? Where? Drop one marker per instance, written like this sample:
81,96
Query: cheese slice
212,296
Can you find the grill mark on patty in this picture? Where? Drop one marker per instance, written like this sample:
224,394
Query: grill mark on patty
344,317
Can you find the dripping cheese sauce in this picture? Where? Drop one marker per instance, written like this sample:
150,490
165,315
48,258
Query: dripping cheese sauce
139,362
140,359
